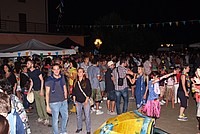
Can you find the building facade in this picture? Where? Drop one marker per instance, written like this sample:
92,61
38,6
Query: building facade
24,16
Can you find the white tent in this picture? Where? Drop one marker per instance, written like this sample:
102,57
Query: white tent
195,45
33,46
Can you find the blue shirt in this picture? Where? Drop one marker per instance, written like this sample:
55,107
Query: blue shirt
56,93
152,95
93,73
34,75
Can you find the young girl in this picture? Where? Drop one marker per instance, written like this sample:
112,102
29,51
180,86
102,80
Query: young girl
140,90
152,107
196,90
162,86
170,90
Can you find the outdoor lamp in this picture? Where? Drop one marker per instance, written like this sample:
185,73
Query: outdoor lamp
98,43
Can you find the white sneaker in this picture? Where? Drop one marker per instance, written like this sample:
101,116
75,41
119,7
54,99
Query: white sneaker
132,98
108,111
163,101
93,110
104,98
98,112
46,122
64,133
113,113
100,107
39,120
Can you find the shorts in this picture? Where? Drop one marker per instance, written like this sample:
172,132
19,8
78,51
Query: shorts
96,94
162,91
170,92
183,99
19,89
102,85
111,95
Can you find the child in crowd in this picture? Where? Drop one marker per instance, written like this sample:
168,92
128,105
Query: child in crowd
152,107
170,90
162,86
196,89
140,90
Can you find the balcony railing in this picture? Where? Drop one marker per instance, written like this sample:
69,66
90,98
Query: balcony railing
16,26
31,27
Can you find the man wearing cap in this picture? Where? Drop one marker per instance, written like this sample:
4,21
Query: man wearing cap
110,89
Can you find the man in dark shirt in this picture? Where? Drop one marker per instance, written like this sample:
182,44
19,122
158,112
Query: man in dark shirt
36,84
110,89
56,99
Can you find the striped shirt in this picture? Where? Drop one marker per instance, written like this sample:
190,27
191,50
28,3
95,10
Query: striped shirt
122,74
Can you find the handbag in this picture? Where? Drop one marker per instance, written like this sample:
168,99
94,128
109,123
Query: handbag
120,80
91,101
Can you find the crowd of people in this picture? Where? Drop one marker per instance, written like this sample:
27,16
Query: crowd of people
62,85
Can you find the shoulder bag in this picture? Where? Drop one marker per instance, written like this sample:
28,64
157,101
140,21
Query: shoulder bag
120,80
90,99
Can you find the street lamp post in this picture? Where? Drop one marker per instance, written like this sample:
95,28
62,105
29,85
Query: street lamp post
98,43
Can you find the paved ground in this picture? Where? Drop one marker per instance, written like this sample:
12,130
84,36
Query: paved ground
168,120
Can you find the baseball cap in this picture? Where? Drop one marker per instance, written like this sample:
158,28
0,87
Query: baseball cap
110,63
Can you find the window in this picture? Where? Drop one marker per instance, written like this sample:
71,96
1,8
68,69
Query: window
22,22
22,1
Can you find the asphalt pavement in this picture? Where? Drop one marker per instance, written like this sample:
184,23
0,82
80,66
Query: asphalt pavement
168,120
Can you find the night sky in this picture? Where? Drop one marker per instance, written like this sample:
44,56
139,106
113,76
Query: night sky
85,12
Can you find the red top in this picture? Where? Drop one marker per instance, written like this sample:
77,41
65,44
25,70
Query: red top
178,77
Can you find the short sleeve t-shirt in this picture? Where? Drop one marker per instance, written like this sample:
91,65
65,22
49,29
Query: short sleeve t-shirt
58,94
93,73
34,75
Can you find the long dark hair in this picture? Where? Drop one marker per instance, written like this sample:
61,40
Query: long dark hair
83,85
4,125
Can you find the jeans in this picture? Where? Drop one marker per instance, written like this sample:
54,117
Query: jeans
62,108
124,94
79,110
25,101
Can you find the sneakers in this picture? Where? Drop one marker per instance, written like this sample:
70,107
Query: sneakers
132,98
40,120
163,101
104,98
46,122
108,111
100,107
92,110
113,113
182,118
98,112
